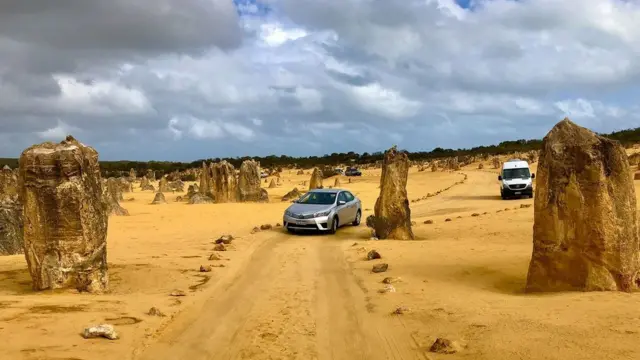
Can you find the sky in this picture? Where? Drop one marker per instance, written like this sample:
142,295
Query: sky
183,80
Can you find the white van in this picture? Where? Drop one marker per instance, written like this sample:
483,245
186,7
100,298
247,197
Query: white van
516,179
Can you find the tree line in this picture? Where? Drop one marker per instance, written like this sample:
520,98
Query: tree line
115,168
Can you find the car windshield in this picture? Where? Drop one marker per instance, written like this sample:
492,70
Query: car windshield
521,173
318,198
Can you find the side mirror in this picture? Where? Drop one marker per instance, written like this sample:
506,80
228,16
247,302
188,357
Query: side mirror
500,177
341,202
533,176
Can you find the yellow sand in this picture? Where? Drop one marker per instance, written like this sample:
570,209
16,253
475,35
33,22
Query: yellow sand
282,296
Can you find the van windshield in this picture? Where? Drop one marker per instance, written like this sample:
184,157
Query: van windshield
521,173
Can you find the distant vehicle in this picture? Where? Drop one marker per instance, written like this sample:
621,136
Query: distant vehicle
263,174
516,179
324,210
338,171
353,172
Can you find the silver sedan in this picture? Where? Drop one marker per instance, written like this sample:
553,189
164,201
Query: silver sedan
323,209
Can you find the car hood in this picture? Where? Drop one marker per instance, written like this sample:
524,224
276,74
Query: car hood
517,181
306,209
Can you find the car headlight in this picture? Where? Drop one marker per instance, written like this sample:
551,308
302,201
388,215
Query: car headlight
322,213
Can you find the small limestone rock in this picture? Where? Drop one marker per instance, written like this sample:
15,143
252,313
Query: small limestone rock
105,330
400,310
205,268
391,280
355,244
266,227
224,239
373,254
444,346
219,247
378,268
255,230
373,238
428,222
278,225
214,257
475,215
387,289
154,311
525,206
447,220
178,293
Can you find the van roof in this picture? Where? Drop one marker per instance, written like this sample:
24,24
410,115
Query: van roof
515,164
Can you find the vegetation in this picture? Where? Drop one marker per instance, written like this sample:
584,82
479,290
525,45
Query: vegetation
116,168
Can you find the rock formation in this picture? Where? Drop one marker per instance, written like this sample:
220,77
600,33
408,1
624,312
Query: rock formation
159,199
11,242
249,183
634,159
585,234
300,172
316,179
392,214
434,167
198,198
125,186
495,161
8,183
205,180
177,186
151,175
292,195
163,185
480,166
132,175
65,218
144,182
272,184
224,182
148,187
112,197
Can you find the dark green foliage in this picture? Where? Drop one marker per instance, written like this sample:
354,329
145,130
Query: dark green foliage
121,168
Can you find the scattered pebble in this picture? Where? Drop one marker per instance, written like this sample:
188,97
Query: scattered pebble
178,293
444,346
428,222
387,289
524,206
154,311
105,330
447,220
400,310
373,254
391,280
373,238
378,268
224,239
278,225
255,230
355,244
219,247
266,227
205,268
214,257
475,214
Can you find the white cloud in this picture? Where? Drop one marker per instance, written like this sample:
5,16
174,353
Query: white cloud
387,102
274,34
256,122
207,129
58,133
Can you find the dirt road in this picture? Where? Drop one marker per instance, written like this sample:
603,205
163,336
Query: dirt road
297,298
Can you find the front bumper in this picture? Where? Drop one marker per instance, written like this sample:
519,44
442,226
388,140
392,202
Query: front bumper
319,223
517,192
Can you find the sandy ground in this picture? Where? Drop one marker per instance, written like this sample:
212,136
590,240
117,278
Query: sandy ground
281,296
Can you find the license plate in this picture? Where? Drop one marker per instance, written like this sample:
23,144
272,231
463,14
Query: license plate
518,192
299,222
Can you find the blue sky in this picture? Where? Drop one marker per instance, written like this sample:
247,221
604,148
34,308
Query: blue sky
212,78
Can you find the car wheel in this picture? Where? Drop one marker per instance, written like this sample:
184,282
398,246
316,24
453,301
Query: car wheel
334,225
356,221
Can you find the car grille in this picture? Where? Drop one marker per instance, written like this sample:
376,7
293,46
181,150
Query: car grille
517,186
301,216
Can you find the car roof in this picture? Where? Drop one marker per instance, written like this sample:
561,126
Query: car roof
330,191
515,164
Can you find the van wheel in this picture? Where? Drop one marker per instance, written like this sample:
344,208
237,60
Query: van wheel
334,225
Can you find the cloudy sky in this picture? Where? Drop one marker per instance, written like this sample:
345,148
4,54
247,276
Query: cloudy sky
189,79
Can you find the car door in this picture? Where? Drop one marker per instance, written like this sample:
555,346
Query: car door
343,210
352,205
